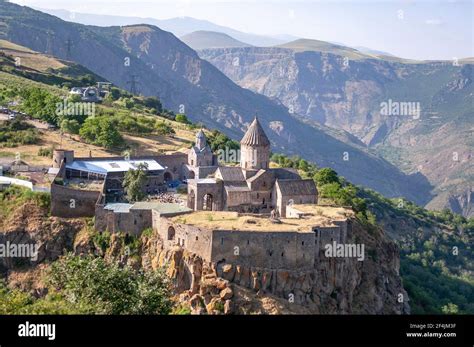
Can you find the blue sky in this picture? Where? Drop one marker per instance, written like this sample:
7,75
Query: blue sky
409,29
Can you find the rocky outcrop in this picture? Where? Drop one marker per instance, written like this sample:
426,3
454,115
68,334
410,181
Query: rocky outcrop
29,225
334,286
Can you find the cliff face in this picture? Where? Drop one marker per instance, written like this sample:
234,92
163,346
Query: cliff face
334,286
349,94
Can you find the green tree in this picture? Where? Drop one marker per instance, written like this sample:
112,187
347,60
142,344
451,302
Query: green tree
101,131
181,118
107,288
134,181
326,175
153,102
39,103
71,126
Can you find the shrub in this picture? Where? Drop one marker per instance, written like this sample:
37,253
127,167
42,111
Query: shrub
107,288
181,118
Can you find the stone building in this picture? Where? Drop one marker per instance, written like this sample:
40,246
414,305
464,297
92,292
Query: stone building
201,160
251,187
79,182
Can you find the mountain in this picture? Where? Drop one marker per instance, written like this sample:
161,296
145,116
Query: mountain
309,45
179,26
317,82
210,39
40,67
372,51
160,64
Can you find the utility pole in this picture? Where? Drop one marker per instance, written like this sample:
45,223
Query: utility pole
49,42
134,84
69,45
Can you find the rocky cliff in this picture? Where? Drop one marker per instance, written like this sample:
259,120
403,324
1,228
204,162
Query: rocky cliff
334,286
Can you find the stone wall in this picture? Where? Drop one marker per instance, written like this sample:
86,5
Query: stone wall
196,193
254,157
194,239
132,222
72,203
274,250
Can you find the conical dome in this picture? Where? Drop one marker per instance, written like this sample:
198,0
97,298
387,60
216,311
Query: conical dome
201,140
255,136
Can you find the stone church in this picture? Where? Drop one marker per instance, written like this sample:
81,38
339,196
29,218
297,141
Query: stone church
252,187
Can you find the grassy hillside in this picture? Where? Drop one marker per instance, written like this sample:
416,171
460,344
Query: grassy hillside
136,121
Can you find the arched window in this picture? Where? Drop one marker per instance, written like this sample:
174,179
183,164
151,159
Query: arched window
171,233
207,204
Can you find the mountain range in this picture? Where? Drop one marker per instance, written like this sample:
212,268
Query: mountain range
328,133
179,26
345,89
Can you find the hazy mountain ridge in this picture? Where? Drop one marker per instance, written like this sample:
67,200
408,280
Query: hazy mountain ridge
348,94
210,39
179,26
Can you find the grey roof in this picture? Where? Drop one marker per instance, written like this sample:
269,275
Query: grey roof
163,208
118,207
201,134
231,173
237,187
257,175
286,173
255,136
297,187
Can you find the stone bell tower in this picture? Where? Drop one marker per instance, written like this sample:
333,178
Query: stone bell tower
255,148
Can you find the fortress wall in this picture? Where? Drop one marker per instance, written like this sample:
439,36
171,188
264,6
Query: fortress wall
132,223
192,238
72,203
100,220
274,250
344,225
328,235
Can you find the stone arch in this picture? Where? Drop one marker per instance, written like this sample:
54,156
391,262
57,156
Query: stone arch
171,233
207,202
168,177
191,199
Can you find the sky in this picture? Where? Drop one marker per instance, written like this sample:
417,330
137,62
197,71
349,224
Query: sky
415,29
